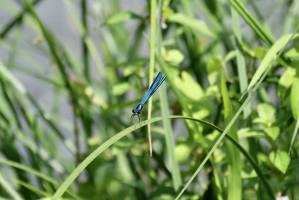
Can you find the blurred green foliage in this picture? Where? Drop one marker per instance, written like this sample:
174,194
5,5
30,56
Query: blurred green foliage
232,82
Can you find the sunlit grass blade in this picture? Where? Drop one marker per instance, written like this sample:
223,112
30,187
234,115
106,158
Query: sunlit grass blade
35,173
152,62
7,75
233,156
107,144
273,54
294,100
255,82
295,132
170,140
9,189
196,25
214,147
33,189
92,156
241,62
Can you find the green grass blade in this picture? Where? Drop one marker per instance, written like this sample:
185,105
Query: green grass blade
9,189
92,156
255,166
84,47
241,63
233,156
272,55
33,189
6,75
95,55
214,147
295,132
294,100
76,172
15,21
52,46
252,22
196,25
153,33
34,172
28,169
170,140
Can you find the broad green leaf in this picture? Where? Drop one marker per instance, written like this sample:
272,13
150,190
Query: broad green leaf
173,56
266,114
182,152
251,174
292,53
287,77
120,88
195,24
121,17
188,86
246,132
272,132
259,52
214,64
280,160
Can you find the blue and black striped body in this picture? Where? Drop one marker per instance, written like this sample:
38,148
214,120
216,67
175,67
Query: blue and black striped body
160,78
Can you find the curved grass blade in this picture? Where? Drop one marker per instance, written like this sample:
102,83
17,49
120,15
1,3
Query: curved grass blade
33,189
34,172
92,156
272,55
9,189
210,152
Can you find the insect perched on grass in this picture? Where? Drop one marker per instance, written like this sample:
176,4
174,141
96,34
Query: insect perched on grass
152,89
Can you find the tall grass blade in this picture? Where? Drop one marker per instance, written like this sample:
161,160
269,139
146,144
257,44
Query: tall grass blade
9,189
153,32
170,140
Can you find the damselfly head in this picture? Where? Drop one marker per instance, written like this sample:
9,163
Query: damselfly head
137,110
